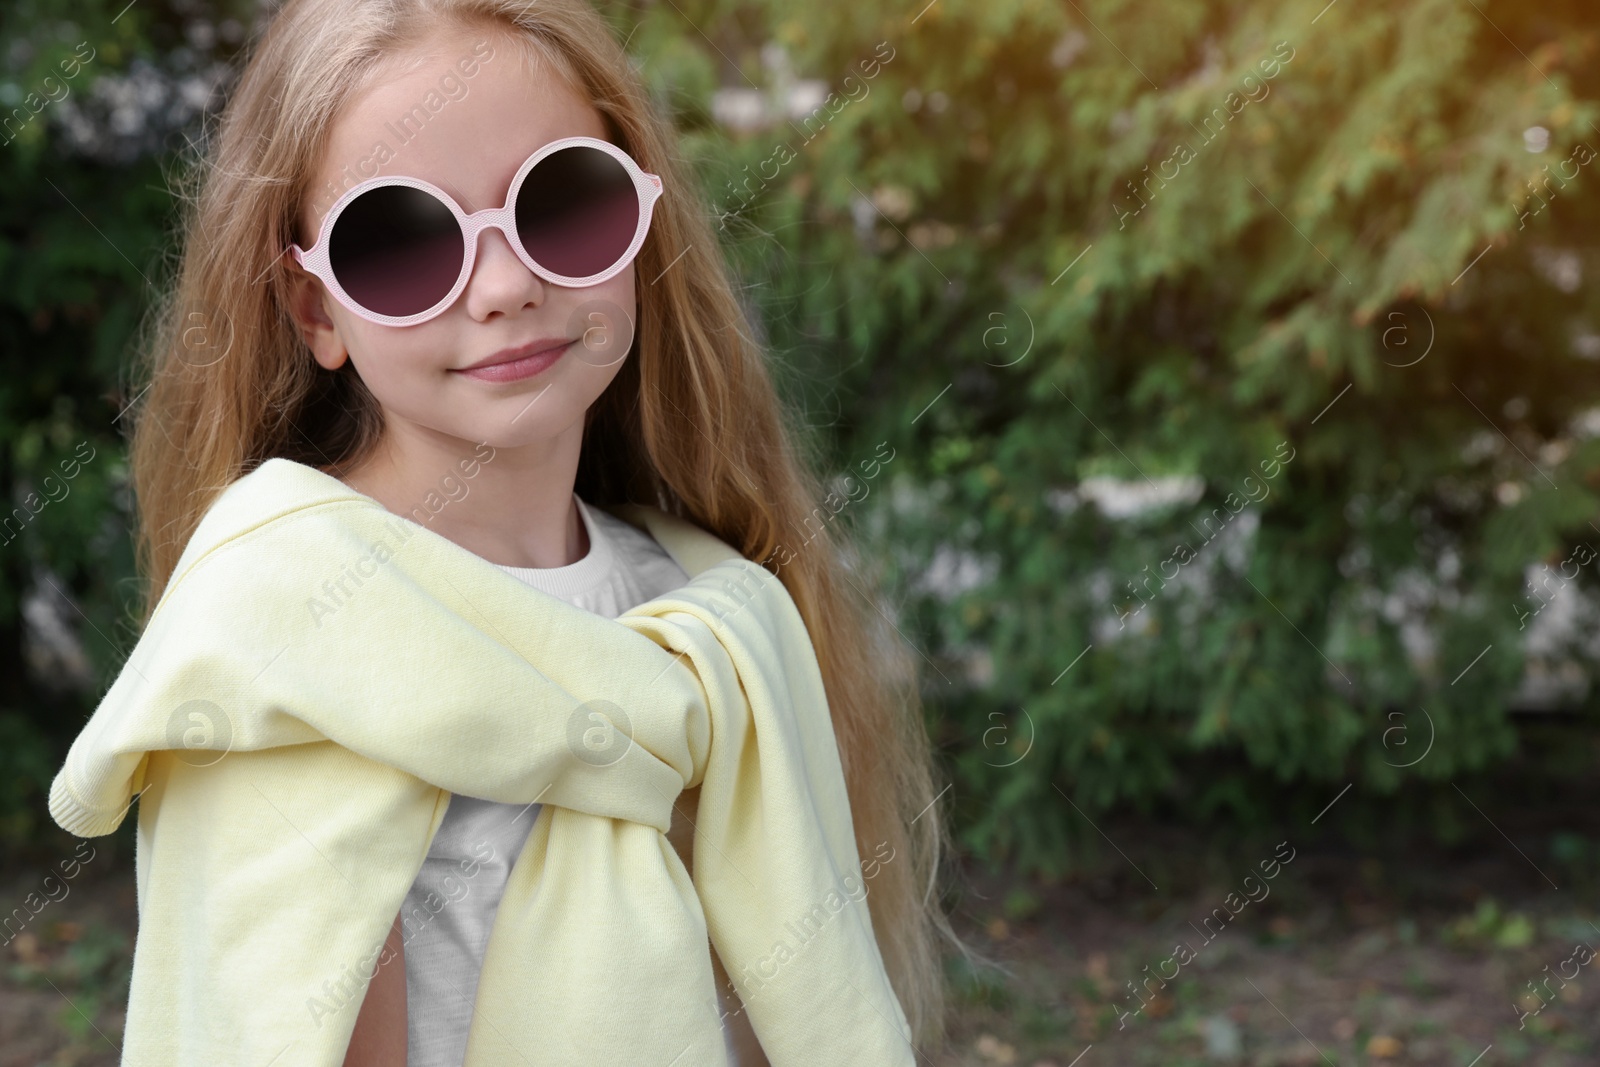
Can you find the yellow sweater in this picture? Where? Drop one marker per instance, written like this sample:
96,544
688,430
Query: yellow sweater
319,674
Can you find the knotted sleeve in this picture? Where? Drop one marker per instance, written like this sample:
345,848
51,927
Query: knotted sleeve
602,927
296,763
776,865
296,745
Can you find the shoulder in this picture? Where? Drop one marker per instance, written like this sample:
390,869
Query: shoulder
632,544
258,499
643,566
263,533
690,546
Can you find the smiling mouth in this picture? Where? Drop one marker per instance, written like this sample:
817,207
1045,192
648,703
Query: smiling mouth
519,366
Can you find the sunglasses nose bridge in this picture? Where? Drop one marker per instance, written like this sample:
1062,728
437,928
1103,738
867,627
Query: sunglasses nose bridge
503,220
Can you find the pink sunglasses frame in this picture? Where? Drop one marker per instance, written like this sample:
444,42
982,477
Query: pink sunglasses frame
503,218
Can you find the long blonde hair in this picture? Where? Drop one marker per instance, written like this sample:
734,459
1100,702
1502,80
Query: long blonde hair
227,383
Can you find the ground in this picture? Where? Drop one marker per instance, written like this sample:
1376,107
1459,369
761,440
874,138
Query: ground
1421,955
1401,954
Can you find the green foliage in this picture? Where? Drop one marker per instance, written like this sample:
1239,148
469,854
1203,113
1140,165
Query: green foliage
83,236
1065,275
1489,926
1031,253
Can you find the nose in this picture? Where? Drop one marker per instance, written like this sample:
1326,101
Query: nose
500,284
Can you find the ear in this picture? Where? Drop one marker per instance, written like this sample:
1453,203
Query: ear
309,307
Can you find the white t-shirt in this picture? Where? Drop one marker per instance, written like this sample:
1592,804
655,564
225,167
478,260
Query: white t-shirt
450,908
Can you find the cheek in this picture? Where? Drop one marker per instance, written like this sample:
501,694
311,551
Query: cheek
605,320
622,291
396,362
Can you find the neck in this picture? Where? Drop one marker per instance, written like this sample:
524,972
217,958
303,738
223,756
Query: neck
512,506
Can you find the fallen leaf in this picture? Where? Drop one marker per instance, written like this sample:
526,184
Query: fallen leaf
1383,1047
992,1048
27,946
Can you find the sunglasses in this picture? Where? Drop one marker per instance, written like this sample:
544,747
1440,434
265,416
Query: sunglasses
398,251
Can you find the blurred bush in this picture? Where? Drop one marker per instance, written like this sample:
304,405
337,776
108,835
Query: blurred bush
1240,349
1228,366
94,103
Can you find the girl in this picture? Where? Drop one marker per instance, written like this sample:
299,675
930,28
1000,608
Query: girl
347,349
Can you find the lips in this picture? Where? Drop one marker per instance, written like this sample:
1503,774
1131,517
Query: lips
508,355
512,364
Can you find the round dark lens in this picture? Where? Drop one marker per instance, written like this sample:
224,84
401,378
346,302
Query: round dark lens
577,211
396,250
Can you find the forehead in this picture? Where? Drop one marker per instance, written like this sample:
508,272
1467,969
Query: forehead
462,110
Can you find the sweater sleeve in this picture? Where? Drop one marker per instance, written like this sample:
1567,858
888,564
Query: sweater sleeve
773,802
250,650
263,906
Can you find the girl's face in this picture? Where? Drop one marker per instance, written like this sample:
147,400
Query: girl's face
426,117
